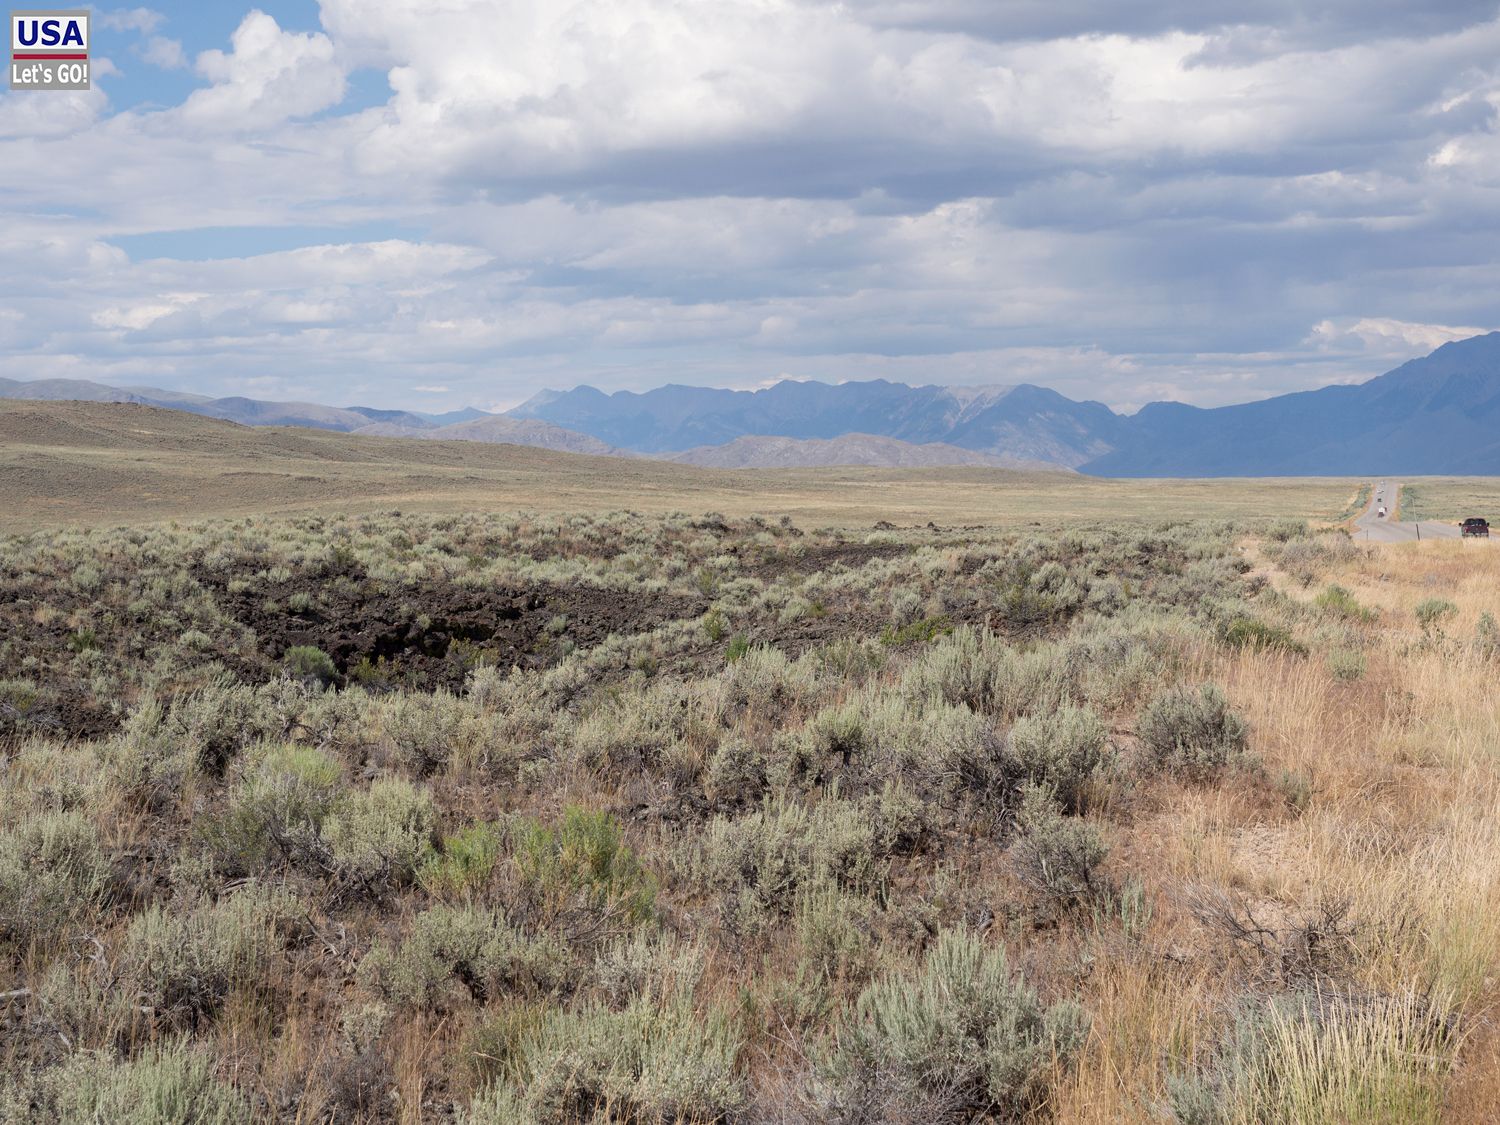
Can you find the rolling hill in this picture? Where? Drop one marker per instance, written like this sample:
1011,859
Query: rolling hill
499,428
111,464
245,411
756,452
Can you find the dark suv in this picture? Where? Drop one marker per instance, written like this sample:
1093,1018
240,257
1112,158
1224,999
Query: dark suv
1475,526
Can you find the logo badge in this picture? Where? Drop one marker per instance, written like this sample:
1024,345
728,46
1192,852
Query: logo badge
49,50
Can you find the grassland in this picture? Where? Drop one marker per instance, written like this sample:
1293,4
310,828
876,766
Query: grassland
1451,499
638,818
1066,809
92,464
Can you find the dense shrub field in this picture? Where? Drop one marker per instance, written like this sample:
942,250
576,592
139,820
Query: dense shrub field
494,820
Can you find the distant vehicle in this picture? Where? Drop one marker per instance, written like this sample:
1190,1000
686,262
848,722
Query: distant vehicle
1475,527
1381,512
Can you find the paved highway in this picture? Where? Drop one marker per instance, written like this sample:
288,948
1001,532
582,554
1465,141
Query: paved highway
1372,527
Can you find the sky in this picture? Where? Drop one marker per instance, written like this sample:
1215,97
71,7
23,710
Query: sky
437,203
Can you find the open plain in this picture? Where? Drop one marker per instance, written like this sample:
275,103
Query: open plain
584,790
97,464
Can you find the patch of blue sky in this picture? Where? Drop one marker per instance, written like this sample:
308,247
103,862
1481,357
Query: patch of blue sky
204,244
367,89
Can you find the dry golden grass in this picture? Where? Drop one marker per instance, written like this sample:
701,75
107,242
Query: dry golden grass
1450,498
1144,1013
72,463
1400,823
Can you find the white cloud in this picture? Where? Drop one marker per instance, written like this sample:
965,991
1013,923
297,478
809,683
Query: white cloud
270,76
141,20
519,90
1385,337
133,318
164,53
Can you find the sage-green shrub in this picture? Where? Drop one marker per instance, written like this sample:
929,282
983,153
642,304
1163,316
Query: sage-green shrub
185,964
1487,637
646,963
169,1084
655,1060
1191,734
464,861
959,1040
203,729
310,664
1062,750
456,954
53,876
1057,856
150,761
421,734
1432,612
763,859
1347,664
585,858
1256,635
1336,601
380,837
276,810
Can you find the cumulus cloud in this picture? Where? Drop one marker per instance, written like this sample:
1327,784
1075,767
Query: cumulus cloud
654,96
165,53
140,20
270,75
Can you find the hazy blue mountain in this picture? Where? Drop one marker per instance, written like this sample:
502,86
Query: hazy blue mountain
396,417
157,395
1435,415
1020,422
452,417
259,412
1438,415
1038,424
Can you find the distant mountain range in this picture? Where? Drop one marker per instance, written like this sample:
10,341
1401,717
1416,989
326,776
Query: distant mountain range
1016,422
1436,415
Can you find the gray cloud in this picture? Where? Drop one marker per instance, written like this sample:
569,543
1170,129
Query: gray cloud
1288,23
